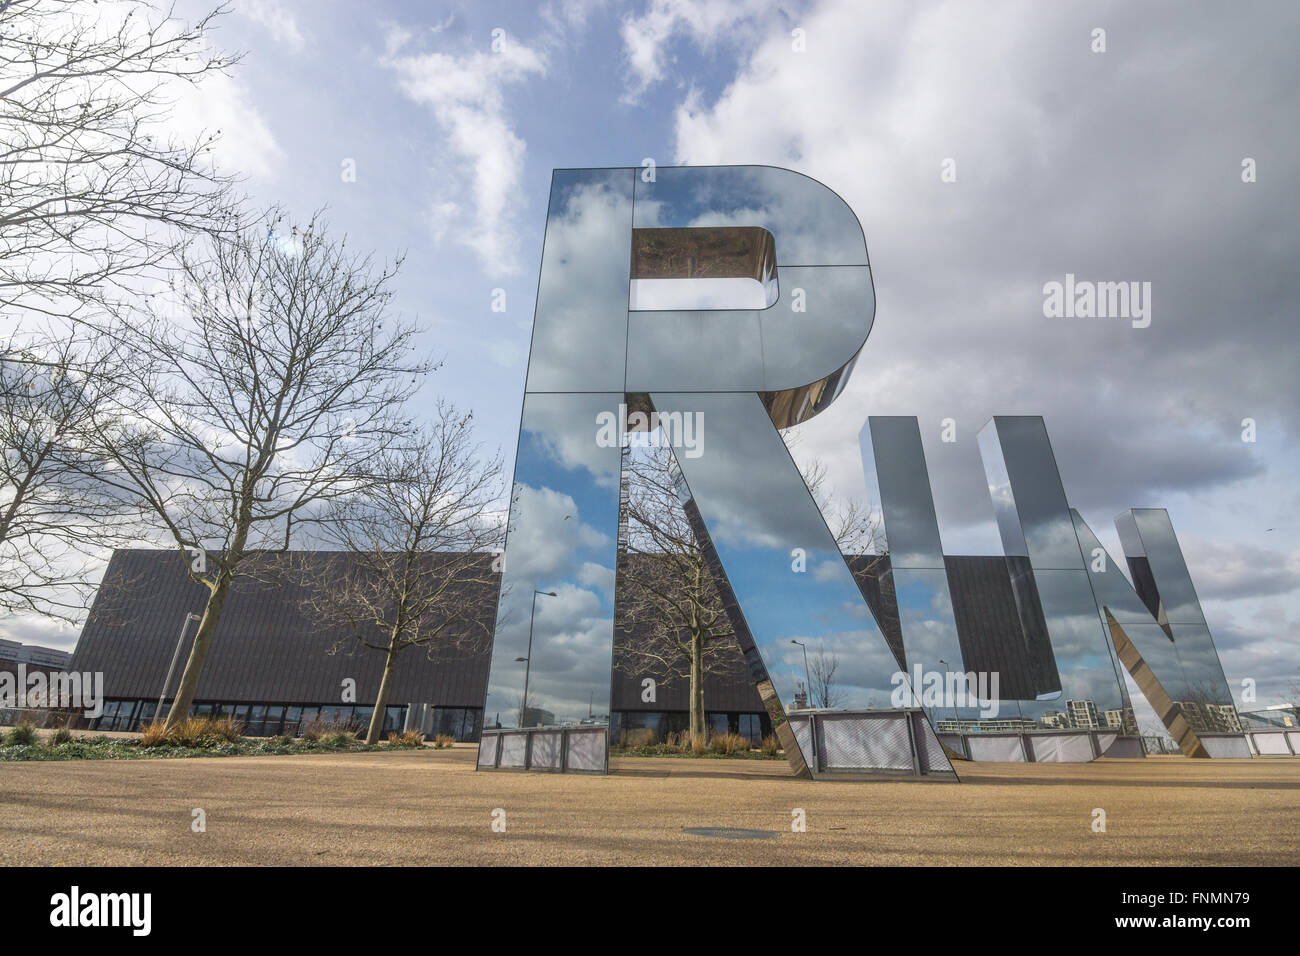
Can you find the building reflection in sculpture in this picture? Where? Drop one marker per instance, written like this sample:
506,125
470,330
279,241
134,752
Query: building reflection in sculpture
777,304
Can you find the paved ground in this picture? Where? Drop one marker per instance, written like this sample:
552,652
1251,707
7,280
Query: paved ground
431,807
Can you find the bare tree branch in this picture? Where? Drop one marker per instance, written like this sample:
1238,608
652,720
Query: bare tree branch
269,395
415,562
668,597
94,194
56,521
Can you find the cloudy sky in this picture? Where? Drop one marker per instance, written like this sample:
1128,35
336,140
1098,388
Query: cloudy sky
987,149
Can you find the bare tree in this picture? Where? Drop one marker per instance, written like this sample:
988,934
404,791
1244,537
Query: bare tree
55,519
856,528
267,396
416,552
93,192
669,598
824,692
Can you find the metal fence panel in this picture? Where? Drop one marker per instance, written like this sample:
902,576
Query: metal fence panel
546,750
1061,748
995,748
487,750
1271,744
928,748
587,751
864,742
514,749
1228,745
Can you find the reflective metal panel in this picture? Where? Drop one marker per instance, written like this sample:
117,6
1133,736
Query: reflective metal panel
720,350
561,539
817,324
1090,682
739,370
788,576
893,460
1176,663
1028,497
925,616
812,226
1048,575
821,317
1156,562
894,463
580,325
798,350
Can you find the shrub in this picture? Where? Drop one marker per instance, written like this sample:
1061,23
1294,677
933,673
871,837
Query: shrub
770,746
728,744
61,736
338,740
637,738
408,738
192,732
443,740
151,734
318,730
23,735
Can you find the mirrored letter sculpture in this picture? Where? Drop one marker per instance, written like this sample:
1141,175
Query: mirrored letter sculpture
709,382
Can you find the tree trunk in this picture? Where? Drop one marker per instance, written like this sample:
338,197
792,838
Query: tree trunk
381,699
194,665
697,687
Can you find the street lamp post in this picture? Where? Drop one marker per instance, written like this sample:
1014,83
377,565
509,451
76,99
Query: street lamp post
176,656
806,676
528,661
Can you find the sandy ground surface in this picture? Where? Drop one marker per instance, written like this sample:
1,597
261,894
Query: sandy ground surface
431,807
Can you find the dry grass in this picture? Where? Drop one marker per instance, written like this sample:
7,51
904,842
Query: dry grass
192,732
23,734
1160,812
636,738
320,729
728,744
443,740
641,741
770,746
408,738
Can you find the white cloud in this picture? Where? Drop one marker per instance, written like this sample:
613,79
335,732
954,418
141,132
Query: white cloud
245,144
646,38
466,93
1066,160
279,22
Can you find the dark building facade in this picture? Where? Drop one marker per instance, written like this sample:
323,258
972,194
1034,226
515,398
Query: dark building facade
272,666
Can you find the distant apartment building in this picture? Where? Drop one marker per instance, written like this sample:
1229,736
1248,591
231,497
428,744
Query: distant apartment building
44,657
1082,714
1010,725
